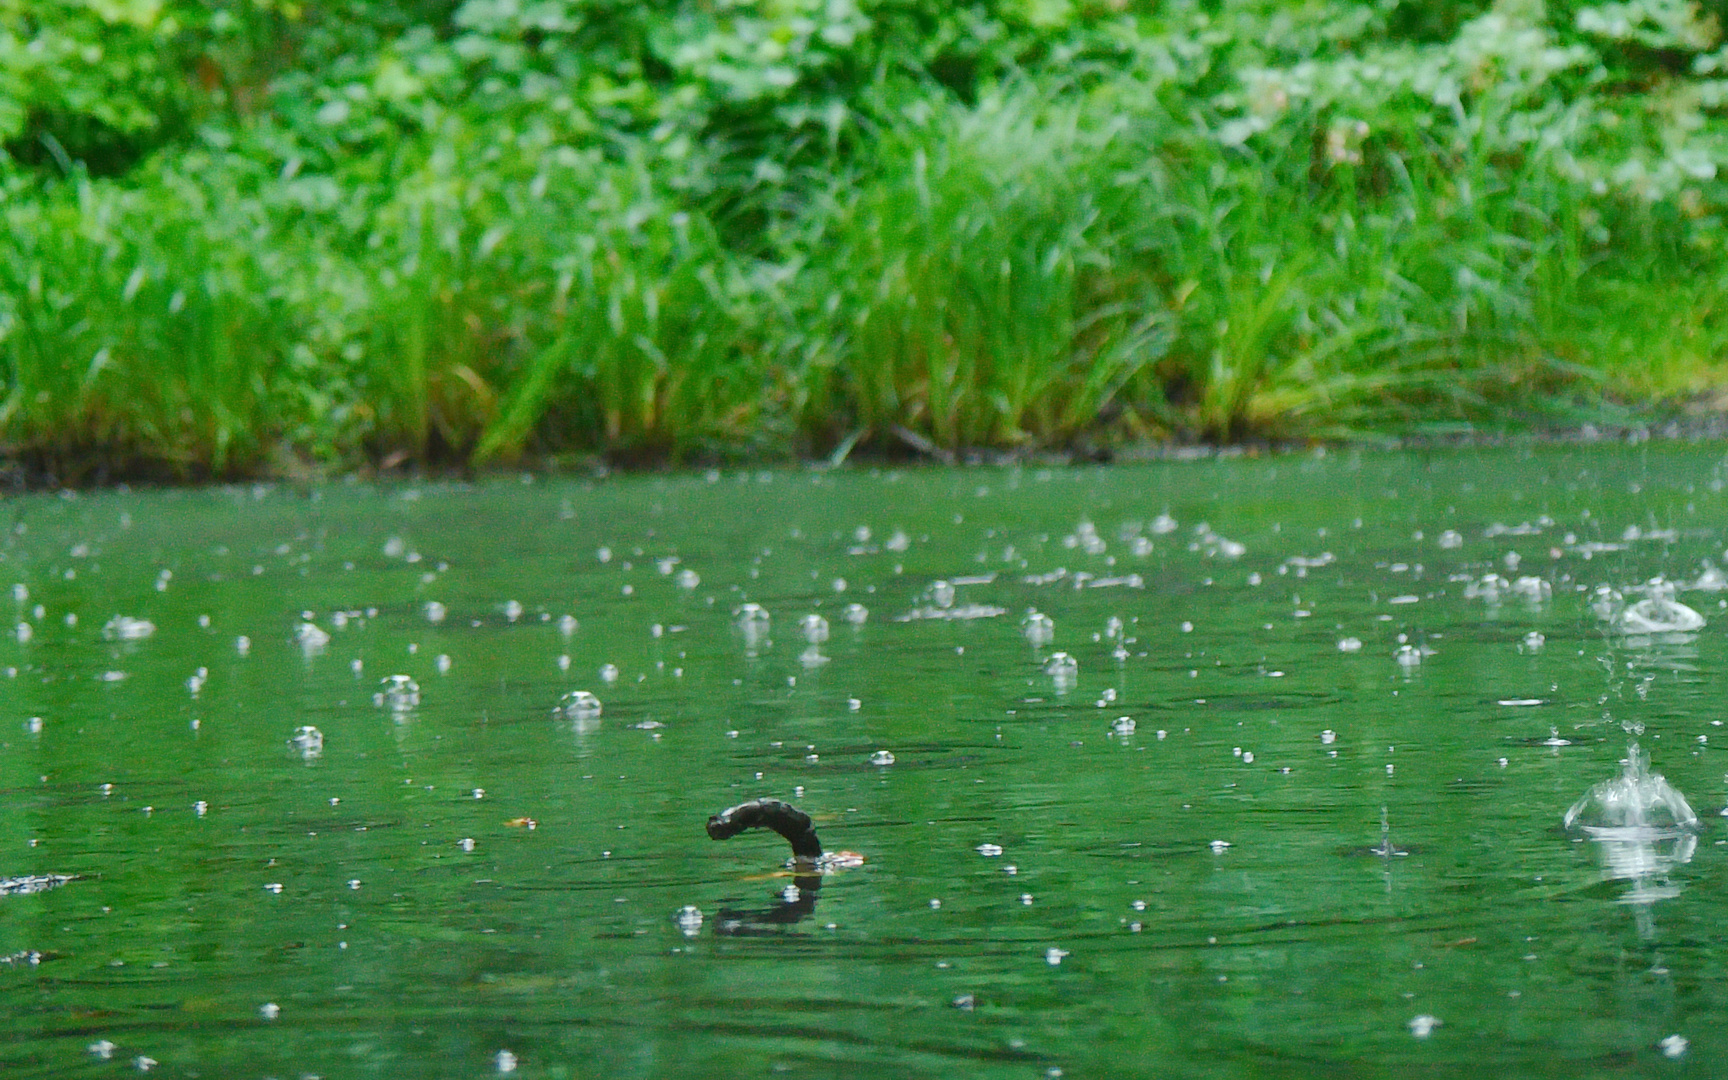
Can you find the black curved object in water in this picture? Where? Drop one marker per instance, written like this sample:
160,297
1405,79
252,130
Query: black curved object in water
784,818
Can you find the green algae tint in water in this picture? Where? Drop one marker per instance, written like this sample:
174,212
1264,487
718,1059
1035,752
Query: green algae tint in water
1239,836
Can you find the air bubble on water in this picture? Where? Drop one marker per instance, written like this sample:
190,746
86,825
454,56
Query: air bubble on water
442,663
201,808
942,594
689,920
1533,641
1532,590
1063,669
1054,956
1123,725
856,614
195,681
989,851
609,673
243,645
33,725
311,638
579,705
356,665
1451,539
1247,757
882,757
434,611
899,541
126,628
1408,656
1422,1026
814,628
1328,737
854,704
466,843
564,662
309,741
1659,613
269,1010
1040,629
567,625
1350,644
687,580
398,693
24,632
273,887
812,657
1163,524
512,610
1219,847
1674,1047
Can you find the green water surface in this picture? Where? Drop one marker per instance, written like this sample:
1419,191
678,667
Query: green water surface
1304,860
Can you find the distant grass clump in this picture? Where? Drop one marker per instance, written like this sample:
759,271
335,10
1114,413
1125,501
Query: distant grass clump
443,240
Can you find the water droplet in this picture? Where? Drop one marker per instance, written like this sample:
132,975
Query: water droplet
399,693
1054,956
882,757
579,705
1422,1026
989,851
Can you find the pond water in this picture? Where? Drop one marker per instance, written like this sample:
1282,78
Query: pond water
1209,768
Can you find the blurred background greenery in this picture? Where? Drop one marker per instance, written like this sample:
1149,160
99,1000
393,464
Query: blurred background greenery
263,236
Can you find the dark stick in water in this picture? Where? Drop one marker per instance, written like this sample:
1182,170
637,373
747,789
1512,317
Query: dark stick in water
784,818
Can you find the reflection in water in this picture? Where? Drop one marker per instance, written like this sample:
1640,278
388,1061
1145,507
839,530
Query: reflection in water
1643,829
793,904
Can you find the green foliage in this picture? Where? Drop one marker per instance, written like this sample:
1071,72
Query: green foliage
241,234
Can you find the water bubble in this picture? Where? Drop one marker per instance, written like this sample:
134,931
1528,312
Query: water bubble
395,547
609,673
1219,847
309,741
882,757
512,610
506,1061
434,611
269,1010
1533,641
24,632
1350,644
1063,669
989,851
687,580
1040,629
399,693
1328,737
126,628
579,705
1674,1047
243,645
814,628
311,638
466,844
102,1049
1163,524
1636,800
1408,656
33,725
1451,539
1660,613
856,614
442,663
1123,725
942,594
1054,956
689,920
1422,1026
899,541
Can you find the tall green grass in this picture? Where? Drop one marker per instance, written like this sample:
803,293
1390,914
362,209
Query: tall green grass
1052,266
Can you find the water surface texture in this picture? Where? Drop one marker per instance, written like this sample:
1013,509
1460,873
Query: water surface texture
1306,766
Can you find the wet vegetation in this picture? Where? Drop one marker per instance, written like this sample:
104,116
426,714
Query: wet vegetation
262,236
